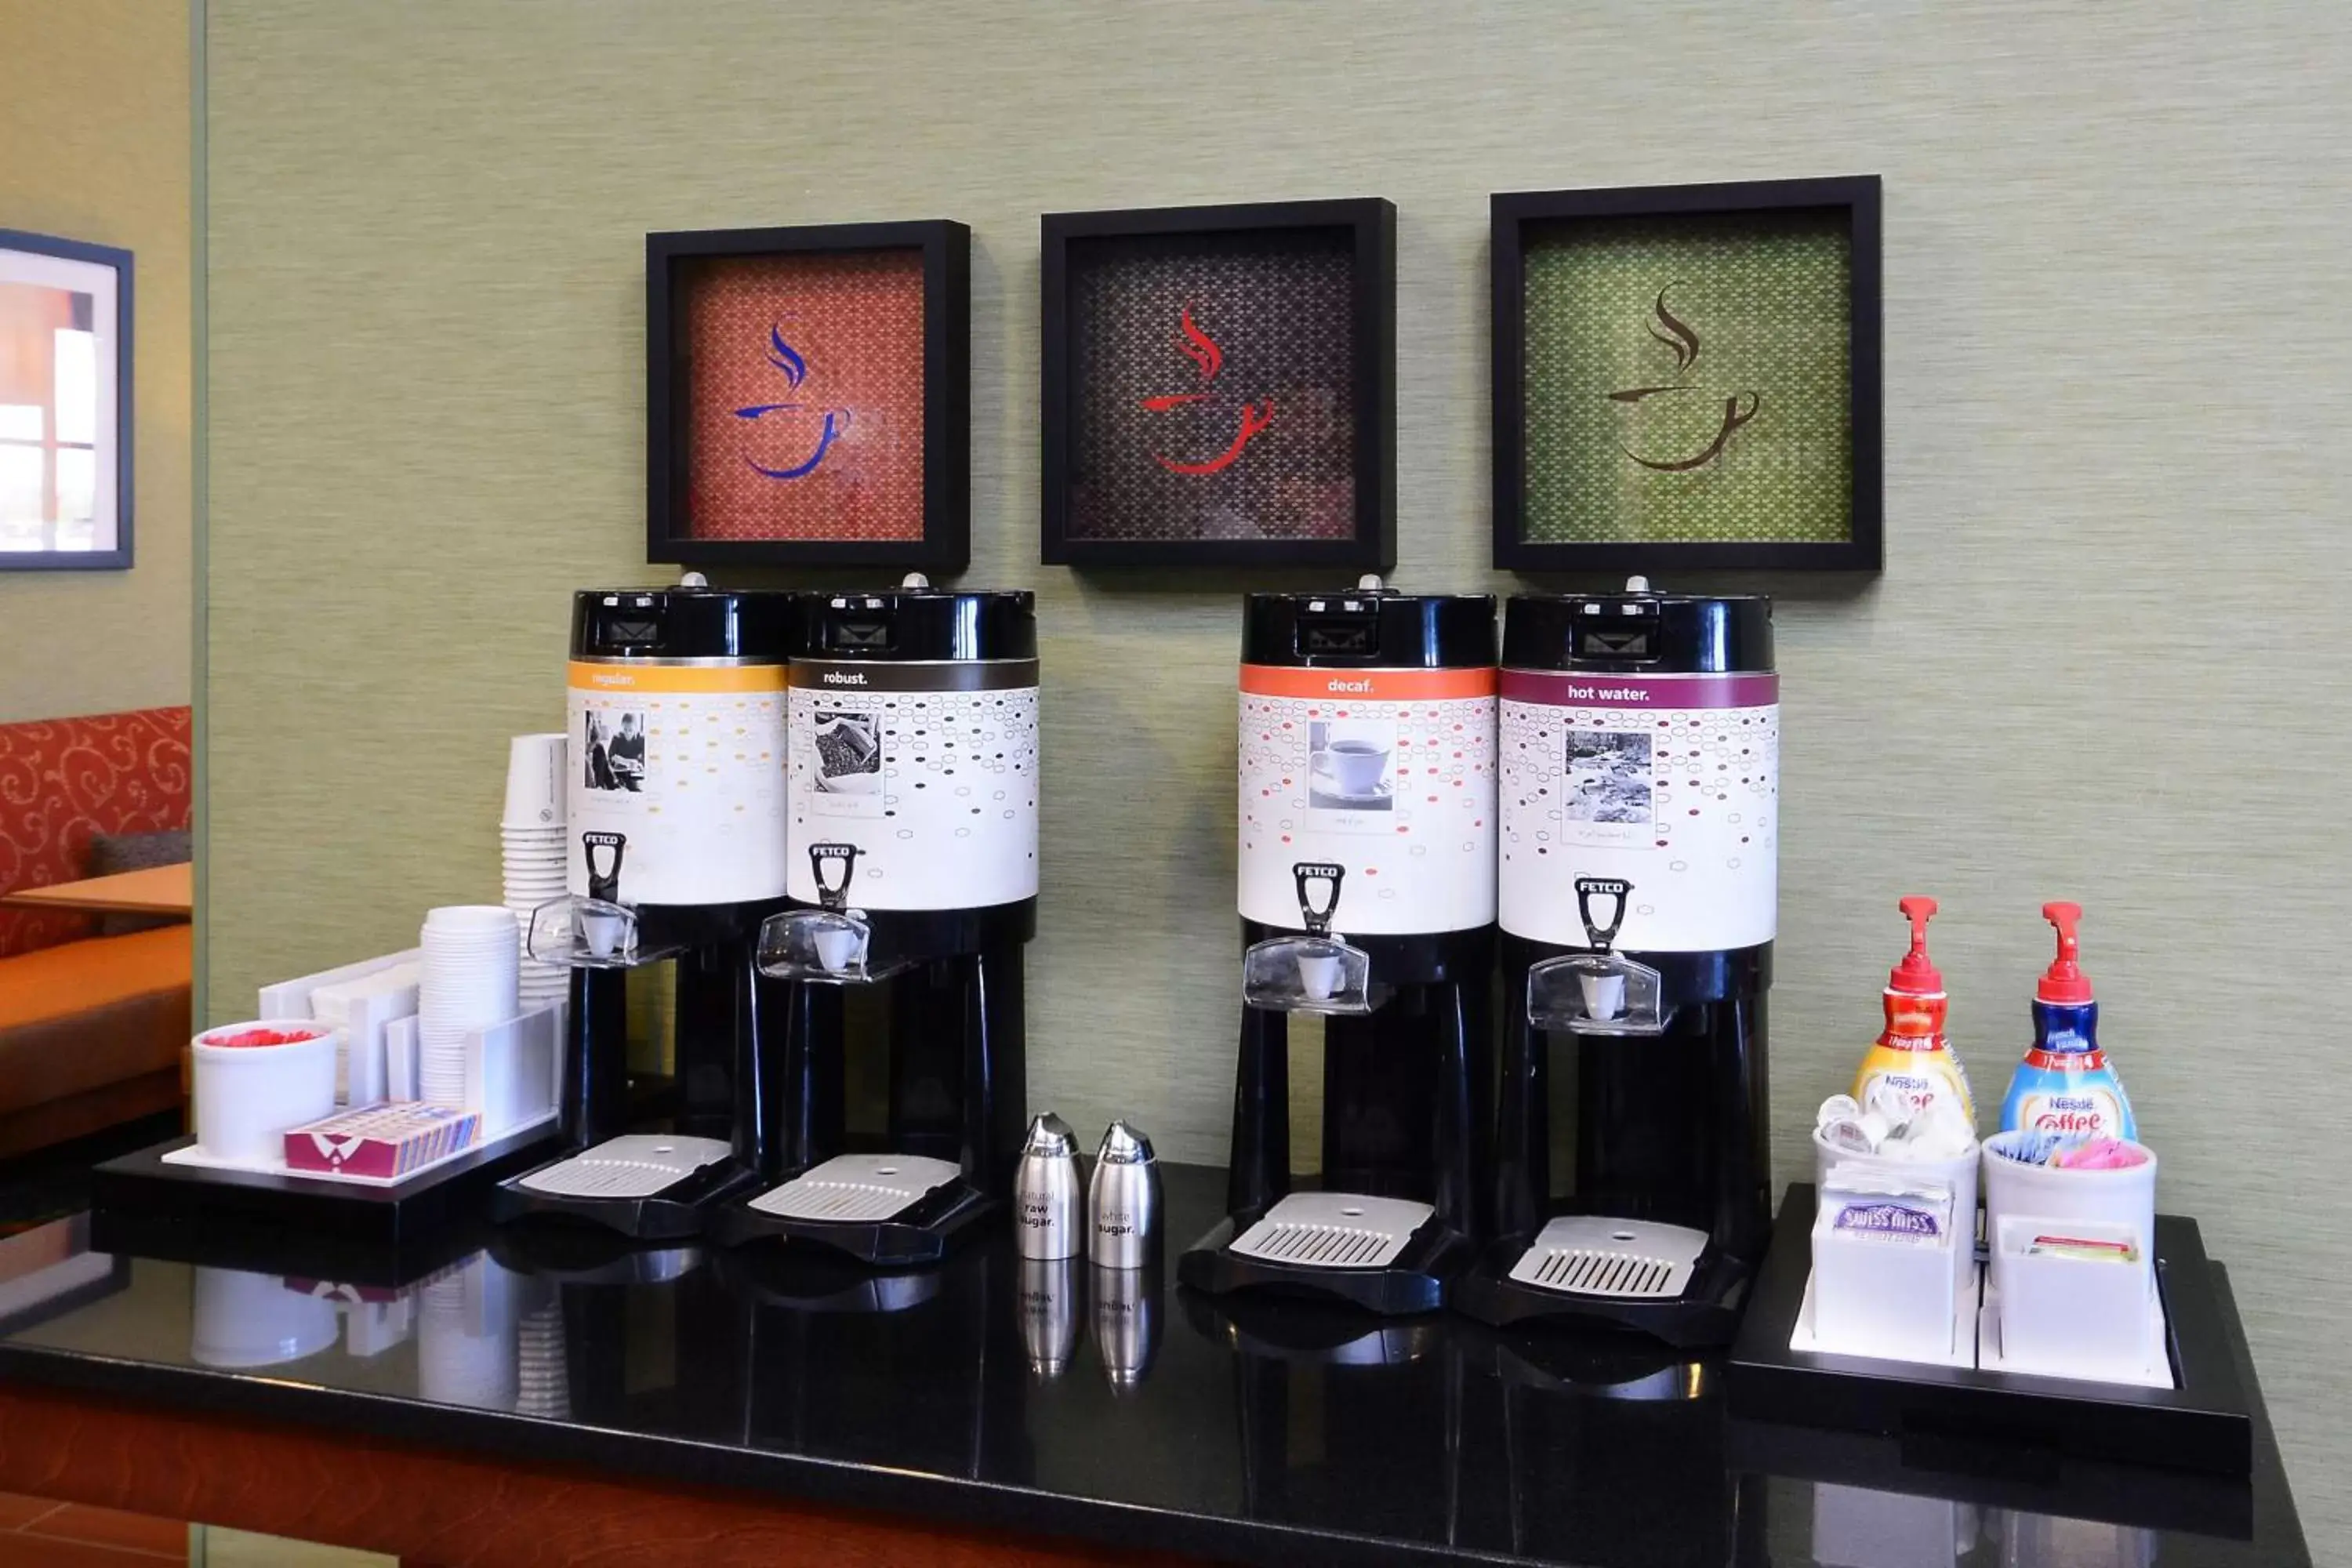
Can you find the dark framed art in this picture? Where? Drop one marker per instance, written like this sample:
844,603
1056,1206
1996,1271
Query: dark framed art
1219,387
65,405
1688,376
808,395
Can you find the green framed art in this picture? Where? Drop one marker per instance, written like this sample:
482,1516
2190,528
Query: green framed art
1689,377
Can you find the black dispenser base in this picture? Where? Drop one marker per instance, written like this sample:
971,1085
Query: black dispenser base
679,1212
1705,1316
2205,1422
1416,1282
924,1232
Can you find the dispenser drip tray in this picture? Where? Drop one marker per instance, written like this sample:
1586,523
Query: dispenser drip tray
1623,1259
1334,1230
635,1165
857,1189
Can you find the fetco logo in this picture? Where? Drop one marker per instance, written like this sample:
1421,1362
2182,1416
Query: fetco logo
840,678
1346,686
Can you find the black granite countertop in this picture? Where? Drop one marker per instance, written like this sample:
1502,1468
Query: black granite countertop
1046,1399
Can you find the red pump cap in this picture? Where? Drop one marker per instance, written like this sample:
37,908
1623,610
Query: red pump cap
2064,982
1916,976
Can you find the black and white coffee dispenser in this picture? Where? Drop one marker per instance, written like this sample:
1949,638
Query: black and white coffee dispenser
913,883
1367,892
1638,902
676,819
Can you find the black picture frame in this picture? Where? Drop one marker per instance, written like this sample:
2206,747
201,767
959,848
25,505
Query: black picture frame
946,542
1369,225
118,558
1857,197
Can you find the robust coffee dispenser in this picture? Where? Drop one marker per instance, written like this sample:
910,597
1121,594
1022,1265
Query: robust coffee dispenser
676,822
1367,861
1640,819
913,879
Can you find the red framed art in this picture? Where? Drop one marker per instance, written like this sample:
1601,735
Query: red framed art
808,395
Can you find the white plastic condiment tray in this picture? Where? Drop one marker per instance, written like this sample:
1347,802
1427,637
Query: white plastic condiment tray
2156,1374
1964,1333
511,1073
192,1155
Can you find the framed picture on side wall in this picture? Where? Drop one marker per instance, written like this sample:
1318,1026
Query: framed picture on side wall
65,405
808,395
1687,376
1219,387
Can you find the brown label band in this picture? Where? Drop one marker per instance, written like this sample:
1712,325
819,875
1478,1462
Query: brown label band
912,675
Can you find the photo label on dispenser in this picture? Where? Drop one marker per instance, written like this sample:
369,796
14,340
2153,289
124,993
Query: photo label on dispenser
1387,773
929,768
685,765
1670,782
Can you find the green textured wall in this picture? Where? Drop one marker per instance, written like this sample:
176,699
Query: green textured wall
2105,660
94,132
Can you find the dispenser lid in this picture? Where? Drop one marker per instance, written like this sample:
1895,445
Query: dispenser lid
2064,982
1369,627
1049,1135
1639,632
1916,974
1123,1145
747,625
915,623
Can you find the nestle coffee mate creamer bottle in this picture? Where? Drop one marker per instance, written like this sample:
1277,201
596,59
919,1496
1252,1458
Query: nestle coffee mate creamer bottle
1912,1056
2065,1085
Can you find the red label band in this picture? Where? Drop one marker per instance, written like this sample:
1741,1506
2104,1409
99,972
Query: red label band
1558,688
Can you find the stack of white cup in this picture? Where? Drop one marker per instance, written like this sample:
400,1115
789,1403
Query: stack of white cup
470,982
532,844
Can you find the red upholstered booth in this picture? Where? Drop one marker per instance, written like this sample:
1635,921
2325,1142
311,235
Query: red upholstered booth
91,1026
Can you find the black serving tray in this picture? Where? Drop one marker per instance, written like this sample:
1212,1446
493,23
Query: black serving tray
376,1235
2204,1424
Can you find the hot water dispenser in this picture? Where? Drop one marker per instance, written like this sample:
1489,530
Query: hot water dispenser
1367,892
1640,807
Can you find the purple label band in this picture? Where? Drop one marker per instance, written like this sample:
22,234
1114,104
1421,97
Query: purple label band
1558,688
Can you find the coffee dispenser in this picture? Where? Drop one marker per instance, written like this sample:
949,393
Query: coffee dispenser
913,884
1641,820
676,816
1367,891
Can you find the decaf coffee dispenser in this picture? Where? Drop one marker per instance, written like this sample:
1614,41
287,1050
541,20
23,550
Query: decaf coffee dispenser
1641,820
913,878
677,814
1367,884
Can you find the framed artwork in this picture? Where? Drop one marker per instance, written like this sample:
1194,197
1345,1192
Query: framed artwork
1687,377
65,405
1219,387
808,395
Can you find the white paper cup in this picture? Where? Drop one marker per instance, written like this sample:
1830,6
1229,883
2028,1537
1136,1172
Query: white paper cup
604,934
244,1319
248,1095
1959,1172
1604,995
835,947
1319,974
536,777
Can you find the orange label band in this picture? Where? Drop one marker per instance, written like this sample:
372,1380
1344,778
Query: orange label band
585,675
1368,685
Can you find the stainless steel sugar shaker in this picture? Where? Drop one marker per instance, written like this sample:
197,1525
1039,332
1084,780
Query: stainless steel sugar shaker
1123,1201
1045,1195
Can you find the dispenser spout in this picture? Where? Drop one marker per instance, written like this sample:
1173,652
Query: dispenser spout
1916,974
2064,982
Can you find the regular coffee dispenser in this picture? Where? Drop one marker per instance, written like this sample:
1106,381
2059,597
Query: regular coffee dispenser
912,883
1638,898
1366,893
